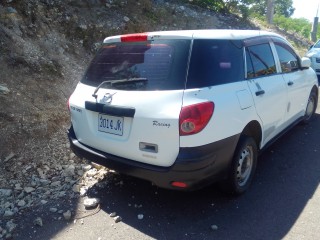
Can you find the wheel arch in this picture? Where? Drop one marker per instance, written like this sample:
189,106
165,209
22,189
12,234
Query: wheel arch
253,129
316,89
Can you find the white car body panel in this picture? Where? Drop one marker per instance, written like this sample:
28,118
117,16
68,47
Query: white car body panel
197,34
270,106
228,118
297,94
141,129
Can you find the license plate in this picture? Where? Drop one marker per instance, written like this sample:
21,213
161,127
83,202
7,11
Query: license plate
110,124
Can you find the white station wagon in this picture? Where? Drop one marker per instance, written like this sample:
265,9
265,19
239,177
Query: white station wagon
184,109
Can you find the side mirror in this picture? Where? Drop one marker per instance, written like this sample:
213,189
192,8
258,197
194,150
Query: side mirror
305,62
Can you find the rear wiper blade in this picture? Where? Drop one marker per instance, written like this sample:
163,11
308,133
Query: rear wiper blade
112,82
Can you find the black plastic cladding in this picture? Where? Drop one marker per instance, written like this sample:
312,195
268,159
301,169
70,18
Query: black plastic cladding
110,110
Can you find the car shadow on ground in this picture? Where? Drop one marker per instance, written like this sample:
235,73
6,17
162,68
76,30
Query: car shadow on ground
286,179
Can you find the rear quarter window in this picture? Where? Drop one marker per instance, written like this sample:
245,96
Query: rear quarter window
215,62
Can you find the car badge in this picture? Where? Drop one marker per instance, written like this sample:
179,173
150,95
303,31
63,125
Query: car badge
107,98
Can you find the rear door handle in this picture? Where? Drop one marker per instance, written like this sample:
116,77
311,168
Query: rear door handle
290,83
260,92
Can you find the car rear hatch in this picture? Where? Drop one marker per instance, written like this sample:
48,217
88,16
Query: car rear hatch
129,101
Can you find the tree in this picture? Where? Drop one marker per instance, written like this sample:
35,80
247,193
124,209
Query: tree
281,7
247,7
284,7
270,11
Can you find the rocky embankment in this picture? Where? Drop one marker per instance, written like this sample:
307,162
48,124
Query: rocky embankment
48,188
45,46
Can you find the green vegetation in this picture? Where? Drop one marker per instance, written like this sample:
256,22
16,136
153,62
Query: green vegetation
298,25
215,5
257,9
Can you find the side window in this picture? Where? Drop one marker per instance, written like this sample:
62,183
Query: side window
261,60
215,62
288,59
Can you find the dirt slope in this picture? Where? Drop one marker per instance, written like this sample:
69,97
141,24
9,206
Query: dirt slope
45,46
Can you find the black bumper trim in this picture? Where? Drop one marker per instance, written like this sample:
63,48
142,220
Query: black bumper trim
118,111
196,166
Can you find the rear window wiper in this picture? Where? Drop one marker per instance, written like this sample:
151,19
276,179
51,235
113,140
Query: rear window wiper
119,81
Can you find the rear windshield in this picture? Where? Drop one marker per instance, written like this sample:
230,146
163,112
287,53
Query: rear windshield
215,62
154,65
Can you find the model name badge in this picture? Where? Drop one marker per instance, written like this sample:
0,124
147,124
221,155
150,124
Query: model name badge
159,124
75,109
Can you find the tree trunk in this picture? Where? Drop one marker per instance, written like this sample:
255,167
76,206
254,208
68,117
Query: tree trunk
270,11
314,29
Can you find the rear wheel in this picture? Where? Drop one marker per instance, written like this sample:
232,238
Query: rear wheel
243,166
311,107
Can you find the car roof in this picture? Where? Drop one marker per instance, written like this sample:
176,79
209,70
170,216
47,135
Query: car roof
230,34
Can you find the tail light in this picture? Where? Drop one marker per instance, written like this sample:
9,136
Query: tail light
194,118
179,184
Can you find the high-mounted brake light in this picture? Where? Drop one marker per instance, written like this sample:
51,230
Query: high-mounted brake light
194,118
140,37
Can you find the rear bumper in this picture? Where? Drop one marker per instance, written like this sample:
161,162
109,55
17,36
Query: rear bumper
196,166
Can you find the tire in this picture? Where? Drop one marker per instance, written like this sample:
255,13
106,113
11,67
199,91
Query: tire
242,168
311,107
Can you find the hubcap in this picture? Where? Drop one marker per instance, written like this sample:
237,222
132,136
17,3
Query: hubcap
244,166
310,107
